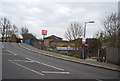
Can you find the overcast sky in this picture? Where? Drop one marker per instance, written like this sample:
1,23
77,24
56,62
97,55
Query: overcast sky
56,16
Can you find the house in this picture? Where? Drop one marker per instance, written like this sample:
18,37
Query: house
32,40
61,43
48,40
28,36
54,42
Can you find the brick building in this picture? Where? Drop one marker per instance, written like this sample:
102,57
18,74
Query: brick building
54,41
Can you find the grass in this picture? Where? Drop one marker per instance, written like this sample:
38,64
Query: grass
64,53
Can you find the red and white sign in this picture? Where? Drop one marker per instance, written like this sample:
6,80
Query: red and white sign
44,32
83,40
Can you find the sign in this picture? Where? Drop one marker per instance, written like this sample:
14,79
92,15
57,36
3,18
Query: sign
44,32
83,40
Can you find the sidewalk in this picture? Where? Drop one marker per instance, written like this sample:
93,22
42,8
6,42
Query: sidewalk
89,62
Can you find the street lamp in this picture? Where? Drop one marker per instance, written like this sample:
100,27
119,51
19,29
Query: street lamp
1,29
85,27
84,39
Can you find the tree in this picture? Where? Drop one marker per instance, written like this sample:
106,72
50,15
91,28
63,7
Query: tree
7,29
101,44
74,32
111,27
110,33
24,30
5,25
14,29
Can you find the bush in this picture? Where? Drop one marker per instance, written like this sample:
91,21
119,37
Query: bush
65,53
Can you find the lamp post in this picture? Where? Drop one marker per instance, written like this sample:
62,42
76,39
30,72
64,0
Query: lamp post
1,30
1,34
84,40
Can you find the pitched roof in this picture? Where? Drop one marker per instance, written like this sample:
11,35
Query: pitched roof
28,36
53,37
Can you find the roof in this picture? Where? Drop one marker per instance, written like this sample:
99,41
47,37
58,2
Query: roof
53,37
56,40
28,36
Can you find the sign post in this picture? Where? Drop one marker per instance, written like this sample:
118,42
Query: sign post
84,41
83,47
44,32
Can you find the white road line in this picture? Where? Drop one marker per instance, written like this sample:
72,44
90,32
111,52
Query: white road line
2,46
26,68
22,61
53,67
99,80
7,54
53,72
11,52
28,59
47,65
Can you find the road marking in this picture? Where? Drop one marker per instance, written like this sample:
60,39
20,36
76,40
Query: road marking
23,61
46,65
2,46
53,72
7,54
53,67
26,68
11,52
99,80
28,59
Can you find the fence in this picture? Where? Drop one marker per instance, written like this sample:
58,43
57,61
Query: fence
113,54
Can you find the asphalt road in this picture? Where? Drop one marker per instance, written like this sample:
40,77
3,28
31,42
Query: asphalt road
18,63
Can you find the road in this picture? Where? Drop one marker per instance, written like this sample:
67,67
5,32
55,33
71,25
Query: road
18,63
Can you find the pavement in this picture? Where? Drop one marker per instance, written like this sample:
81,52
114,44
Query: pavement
21,63
90,62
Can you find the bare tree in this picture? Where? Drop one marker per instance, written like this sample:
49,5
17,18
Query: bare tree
5,26
74,32
110,24
110,33
7,29
111,28
24,30
14,29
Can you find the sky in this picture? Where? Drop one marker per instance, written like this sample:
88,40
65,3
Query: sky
56,16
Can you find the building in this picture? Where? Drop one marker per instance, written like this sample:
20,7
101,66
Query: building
28,36
54,42
32,40
48,40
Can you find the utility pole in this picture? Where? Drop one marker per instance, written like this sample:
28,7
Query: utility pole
44,32
84,50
